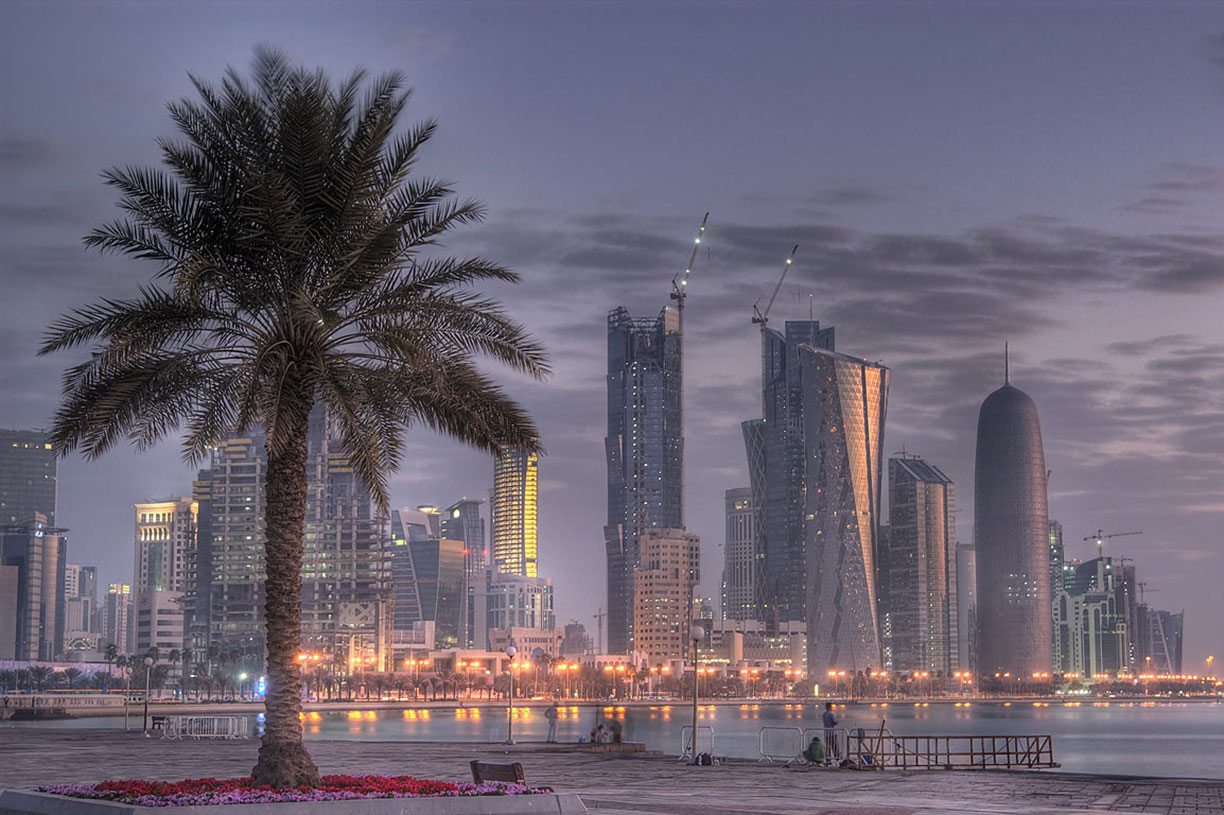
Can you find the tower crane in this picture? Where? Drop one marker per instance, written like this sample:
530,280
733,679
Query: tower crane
680,281
762,317
1100,537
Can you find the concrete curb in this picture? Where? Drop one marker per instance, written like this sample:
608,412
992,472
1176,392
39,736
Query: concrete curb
22,802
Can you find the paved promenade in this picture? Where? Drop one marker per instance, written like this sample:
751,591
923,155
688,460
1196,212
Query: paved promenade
618,785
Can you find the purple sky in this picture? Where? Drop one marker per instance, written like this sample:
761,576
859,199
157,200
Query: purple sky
957,176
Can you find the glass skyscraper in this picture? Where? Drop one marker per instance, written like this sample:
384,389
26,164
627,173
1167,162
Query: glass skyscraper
645,450
739,556
918,568
845,400
777,472
514,508
1012,538
28,472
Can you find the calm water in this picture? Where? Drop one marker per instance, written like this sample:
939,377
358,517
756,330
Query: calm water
1137,738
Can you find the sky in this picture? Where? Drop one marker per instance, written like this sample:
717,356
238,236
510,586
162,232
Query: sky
956,175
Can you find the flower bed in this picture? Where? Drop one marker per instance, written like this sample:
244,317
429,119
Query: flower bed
213,791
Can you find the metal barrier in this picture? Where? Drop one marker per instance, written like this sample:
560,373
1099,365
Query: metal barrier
206,727
704,733
836,743
781,744
37,701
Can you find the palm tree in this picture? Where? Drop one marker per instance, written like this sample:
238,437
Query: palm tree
72,675
39,674
289,232
111,656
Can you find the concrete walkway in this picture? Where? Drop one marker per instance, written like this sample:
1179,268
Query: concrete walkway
618,784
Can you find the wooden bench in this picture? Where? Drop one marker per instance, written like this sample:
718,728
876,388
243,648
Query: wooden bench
507,773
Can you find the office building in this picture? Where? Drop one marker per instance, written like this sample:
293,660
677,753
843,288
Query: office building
1164,638
966,606
778,449
117,618
39,551
1011,536
1090,620
157,621
28,475
505,601
739,556
918,568
165,533
10,582
427,575
577,642
845,400
667,573
1056,560
461,521
644,448
513,508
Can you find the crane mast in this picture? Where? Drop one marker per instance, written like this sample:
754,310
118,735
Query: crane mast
680,281
1100,537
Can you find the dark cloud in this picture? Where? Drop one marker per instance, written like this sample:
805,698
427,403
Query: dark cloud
852,195
17,152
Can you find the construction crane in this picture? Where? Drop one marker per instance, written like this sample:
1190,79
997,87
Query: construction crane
680,281
1143,590
1100,537
762,317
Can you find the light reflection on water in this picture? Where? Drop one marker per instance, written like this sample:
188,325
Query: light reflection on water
1122,737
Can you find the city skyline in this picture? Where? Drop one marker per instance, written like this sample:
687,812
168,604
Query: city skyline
1092,258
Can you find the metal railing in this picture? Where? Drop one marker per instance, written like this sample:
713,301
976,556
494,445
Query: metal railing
705,740
203,727
880,750
836,743
42,701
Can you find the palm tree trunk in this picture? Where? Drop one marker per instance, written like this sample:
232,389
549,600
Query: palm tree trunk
283,760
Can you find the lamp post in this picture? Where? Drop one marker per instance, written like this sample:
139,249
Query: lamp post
148,663
510,652
697,634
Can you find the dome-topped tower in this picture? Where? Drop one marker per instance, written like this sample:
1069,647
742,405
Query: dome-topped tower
1011,536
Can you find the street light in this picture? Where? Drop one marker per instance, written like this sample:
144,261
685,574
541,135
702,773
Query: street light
510,652
697,634
148,663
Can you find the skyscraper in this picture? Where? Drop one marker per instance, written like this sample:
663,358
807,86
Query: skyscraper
777,469
116,618
39,552
845,400
427,575
28,476
1011,534
345,568
966,605
165,532
461,521
645,450
920,553
513,510
1056,586
739,556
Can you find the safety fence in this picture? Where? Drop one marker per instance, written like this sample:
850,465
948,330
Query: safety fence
42,701
203,727
705,740
880,749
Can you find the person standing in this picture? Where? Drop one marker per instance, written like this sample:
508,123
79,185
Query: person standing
829,720
552,714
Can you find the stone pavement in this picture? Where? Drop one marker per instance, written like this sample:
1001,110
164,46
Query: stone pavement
628,784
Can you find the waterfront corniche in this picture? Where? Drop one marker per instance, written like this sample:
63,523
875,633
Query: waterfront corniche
23,802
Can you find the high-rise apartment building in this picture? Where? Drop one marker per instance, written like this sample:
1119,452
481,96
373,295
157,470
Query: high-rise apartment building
740,556
165,534
778,464
345,569
39,552
668,570
845,400
1011,535
28,475
513,511
644,448
918,568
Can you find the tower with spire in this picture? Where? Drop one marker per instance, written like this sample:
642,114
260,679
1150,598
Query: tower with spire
1011,534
